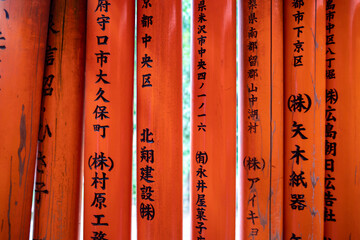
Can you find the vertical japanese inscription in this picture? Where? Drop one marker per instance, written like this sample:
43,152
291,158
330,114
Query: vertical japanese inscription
298,104
261,119
252,74
253,165
147,154
159,120
201,154
331,100
304,118
213,75
147,158
99,162
44,129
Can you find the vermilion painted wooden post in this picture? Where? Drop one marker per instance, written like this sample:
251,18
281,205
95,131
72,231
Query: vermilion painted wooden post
109,119
342,189
23,31
57,187
213,138
261,120
304,126
159,120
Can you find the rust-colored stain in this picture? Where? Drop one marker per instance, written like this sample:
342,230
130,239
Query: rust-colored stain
23,27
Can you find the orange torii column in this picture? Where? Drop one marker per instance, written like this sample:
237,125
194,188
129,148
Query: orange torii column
57,200
213,134
108,119
261,120
159,120
23,31
342,180
304,126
